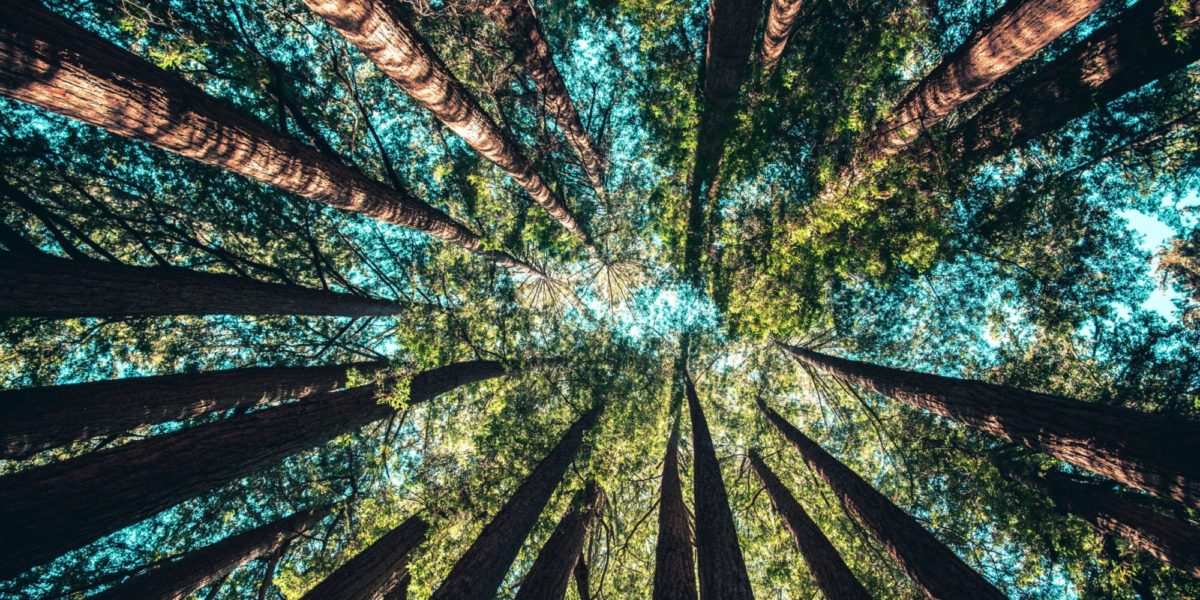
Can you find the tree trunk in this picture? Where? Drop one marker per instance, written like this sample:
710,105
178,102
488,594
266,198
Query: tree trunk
519,21
199,568
674,566
722,569
34,419
936,570
583,580
48,510
50,62
550,574
830,572
781,19
387,38
376,571
481,570
1149,452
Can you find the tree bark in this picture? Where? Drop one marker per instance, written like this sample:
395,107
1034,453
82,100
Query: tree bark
938,572
34,419
48,510
376,571
50,62
387,38
583,579
781,19
199,568
830,572
481,570
550,574
674,566
722,569
1149,452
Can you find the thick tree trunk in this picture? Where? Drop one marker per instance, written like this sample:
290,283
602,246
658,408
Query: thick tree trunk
199,568
722,568
832,575
376,571
34,419
48,510
1149,452
519,21
392,43
550,574
674,565
936,570
49,61
481,570
781,19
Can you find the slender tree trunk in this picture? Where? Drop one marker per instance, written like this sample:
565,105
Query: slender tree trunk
387,38
674,566
583,580
519,21
34,419
376,571
832,575
199,568
936,570
722,569
550,574
1149,452
481,570
781,19
50,62
48,510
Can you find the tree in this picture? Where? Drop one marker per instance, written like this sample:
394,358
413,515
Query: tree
781,20
551,572
1181,262
674,567
377,571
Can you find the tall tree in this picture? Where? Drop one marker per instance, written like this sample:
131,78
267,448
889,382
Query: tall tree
386,37
722,569
376,571
481,570
674,565
48,510
1154,453
830,572
197,569
936,570
550,574
34,419
50,62
781,20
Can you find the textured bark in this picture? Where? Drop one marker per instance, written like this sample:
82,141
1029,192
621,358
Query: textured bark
674,566
520,23
34,419
936,570
48,510
481,570
199,568
1149,452
722,569
830,572
376,571
49,61
392,43
781,19
550,574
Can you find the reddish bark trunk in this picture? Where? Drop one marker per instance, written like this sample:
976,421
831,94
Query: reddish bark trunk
550,574
781,19
674,565
377,571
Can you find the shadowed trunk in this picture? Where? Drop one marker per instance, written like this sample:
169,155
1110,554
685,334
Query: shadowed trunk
48,510
197,569
936,570
1149,452
50,62
34,419
583,583
377,571
830,572
722,569
387,38
481,570
674,566
550,574
781,19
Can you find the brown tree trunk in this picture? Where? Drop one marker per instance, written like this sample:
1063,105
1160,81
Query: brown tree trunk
722,569
49,61
48,510
376,571
781,19
936,570
481,570
674,566
199,568
519,21
1149,452
550,574
387,38
832,575
34,419
583,580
